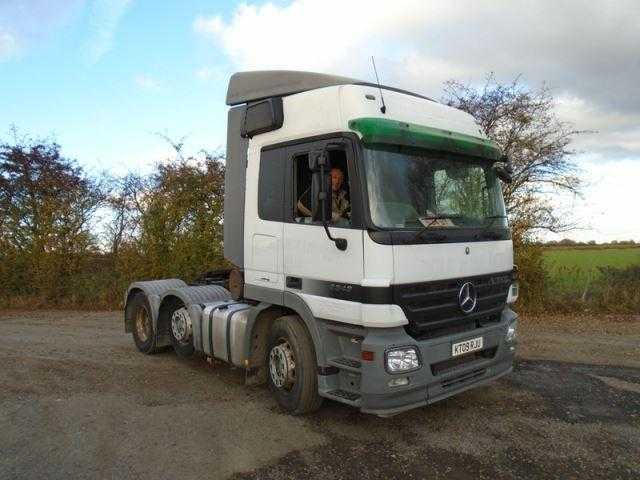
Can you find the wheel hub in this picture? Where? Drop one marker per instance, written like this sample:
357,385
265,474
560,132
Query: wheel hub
142,324
282,366
181,325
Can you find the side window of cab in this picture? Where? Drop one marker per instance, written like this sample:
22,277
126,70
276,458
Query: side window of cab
271,182
340,189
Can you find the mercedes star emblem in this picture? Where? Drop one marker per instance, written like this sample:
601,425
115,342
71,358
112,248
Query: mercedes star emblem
467,297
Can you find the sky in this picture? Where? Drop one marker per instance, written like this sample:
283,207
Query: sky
107,78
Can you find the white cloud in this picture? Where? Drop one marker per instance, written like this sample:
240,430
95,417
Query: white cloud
305,34
611,133
8,46
104,20
589,48
208,26
146,82
210,73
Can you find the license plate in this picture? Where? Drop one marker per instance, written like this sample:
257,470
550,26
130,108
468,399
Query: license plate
467,346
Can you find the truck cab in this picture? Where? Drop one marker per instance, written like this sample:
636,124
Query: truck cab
372,258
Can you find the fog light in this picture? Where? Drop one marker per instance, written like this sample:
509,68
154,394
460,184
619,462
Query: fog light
398,382
511,332
513,293
402,360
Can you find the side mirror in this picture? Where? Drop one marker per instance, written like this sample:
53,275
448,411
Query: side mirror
321,205
320,167
319,159
504,169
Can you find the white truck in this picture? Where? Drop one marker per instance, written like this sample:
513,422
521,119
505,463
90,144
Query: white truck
373,262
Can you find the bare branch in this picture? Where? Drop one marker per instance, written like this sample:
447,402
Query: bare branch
524,124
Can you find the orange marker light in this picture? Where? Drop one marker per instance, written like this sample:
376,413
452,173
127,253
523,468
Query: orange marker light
367,356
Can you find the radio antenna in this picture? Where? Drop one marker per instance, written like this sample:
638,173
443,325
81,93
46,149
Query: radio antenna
383,108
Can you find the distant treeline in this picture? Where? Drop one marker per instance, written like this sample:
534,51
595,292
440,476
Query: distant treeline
567,242
70,240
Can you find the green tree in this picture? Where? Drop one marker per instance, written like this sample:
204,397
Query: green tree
46,207
181,221
169,223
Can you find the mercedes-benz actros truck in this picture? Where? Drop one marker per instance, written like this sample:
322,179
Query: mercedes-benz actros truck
372,257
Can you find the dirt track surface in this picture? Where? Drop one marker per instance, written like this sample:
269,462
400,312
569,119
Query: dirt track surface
78,401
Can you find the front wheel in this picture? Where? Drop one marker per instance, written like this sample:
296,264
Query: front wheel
292,366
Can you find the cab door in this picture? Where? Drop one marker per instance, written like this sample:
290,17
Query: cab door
313,265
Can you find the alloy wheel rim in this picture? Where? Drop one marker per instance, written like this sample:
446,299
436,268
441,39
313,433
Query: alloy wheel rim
181,326
282,365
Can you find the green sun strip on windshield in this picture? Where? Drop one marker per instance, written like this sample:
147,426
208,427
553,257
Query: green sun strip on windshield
382,130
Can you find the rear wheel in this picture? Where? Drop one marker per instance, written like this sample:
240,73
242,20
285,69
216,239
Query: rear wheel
180,329
292,366
143,335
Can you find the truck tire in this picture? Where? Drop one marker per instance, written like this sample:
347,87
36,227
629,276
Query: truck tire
143,334
291,366
180,329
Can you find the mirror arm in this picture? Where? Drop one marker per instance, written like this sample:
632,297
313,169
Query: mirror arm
341,243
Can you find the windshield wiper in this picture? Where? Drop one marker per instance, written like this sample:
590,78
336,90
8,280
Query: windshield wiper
436,236
433,218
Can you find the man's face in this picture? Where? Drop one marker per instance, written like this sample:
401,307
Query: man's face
336,179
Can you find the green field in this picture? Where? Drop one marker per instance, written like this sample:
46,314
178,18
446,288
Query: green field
573,269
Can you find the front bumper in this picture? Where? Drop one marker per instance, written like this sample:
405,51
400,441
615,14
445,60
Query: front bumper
440,376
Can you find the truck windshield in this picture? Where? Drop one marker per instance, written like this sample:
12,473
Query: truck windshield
417,189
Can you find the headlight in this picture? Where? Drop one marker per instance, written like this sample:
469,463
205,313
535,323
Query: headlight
402,360
513,293
511,332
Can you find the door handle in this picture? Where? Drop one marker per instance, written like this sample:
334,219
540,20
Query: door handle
294,282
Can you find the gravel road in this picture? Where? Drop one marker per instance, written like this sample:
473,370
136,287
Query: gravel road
78,401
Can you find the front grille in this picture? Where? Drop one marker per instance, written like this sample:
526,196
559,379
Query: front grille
464,360
432,307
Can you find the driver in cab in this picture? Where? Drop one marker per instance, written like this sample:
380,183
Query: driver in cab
340,206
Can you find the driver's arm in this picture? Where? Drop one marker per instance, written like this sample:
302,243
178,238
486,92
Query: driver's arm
301,207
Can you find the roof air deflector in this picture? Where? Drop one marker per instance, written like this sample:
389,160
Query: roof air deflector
247,87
